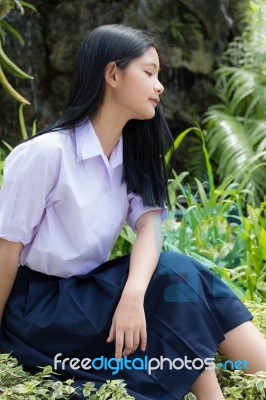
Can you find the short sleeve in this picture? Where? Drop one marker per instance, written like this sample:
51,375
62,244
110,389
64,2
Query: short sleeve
29,176
136,209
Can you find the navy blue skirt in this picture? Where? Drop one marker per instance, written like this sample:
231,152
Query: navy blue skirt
51,321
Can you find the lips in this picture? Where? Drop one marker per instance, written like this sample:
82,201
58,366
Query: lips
155,100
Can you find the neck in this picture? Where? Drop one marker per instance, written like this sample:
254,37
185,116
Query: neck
108,126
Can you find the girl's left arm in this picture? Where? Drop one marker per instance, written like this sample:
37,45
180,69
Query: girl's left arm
129,324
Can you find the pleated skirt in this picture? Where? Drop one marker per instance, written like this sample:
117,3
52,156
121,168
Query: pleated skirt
51,321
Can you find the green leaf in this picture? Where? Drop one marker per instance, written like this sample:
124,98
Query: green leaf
28,5
12,30
7,145
22,122
177,143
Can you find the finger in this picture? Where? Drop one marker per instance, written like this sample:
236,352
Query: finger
111,336
136,340
128,343
119,343
143,338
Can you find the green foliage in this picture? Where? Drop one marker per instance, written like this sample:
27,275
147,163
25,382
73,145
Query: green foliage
216,232
244,386
183,22
25,135
258,311
115,390
240,150
16,384
6,6
124,242
248,49
252,270
237,385
175,30
236,127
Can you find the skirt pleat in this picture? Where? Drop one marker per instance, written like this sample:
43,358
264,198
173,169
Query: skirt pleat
188,310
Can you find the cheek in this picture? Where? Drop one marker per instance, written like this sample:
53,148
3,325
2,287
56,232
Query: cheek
137,84
134,91
140,92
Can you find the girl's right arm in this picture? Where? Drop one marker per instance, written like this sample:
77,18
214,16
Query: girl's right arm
9,262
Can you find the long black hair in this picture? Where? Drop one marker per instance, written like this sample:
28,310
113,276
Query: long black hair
144,142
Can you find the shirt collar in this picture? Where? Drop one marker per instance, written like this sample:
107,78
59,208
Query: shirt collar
88,145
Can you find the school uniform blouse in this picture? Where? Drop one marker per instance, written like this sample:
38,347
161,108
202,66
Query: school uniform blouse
64,200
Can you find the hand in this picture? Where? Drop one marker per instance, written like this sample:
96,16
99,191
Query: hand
128,325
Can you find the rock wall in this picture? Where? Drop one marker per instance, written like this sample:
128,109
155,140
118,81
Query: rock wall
192,34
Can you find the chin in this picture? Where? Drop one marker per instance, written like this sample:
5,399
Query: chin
146,116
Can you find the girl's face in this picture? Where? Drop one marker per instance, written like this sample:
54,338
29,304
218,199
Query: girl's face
138,92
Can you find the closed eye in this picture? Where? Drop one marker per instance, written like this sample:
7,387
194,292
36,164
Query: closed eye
148,73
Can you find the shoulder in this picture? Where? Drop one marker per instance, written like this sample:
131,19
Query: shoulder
50,143
43,149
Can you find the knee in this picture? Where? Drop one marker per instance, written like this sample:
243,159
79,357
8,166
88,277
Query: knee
179,276
170,256
174,262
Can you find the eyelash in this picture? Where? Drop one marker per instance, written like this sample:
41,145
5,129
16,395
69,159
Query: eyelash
148,73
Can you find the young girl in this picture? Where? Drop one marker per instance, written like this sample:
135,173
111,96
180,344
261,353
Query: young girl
65,198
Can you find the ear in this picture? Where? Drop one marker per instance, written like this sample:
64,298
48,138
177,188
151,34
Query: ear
111,72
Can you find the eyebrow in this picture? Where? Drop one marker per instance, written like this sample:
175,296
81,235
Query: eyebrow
152,65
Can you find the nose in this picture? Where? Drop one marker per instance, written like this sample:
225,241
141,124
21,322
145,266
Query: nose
158,88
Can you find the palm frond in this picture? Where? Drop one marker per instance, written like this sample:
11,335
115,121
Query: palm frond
248,49
244,90
256,133
228,144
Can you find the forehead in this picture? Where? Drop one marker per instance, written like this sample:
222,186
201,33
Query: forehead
149,57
